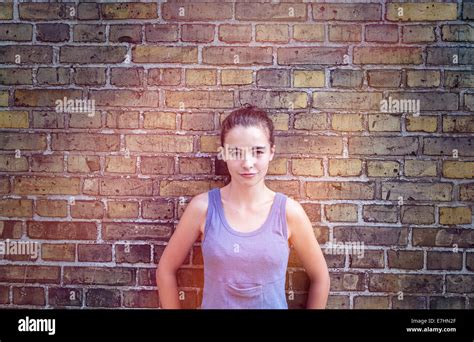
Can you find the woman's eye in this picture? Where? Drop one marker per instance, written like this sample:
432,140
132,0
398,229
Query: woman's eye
235,153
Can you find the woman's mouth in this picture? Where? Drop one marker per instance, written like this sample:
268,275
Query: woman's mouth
248,175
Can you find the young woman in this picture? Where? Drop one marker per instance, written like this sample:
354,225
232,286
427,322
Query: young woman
245,229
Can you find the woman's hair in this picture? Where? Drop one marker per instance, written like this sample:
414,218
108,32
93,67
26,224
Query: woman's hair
248,116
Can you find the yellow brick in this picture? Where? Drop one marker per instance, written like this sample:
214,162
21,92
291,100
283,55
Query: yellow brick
236,77
421,11
348,122
458,124
9,163
308,79
3,98
307,167
162,120
423,78
280,122
278,166
458,169
58,252
294,100
455,215
271,33
13,119
83,164
120,164
419,33
196,77
6,11
422,123
51,208
16,207
341,212
308,32
311,121
209,143
384,123
345,167
420,168
383,168
122,209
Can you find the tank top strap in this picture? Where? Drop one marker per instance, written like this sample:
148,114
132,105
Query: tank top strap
279,222
211,209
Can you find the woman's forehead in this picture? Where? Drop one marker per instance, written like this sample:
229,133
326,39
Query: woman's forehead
252,133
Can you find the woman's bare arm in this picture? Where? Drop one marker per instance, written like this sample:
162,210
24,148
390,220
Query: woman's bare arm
310,254
182,240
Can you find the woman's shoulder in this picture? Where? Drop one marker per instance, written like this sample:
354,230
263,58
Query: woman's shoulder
293,209
200,201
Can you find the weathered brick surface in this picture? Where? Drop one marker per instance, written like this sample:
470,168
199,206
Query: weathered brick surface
102,192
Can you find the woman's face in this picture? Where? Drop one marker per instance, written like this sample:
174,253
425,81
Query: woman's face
248,152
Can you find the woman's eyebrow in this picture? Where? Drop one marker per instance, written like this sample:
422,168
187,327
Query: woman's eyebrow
253,147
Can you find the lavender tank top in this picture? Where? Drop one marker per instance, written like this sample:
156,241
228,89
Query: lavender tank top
244,270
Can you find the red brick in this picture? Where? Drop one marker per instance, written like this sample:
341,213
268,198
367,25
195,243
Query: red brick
310,55
29,296
198,33
273,12
30,274
126,77
129,11
65,296
94,252
117,276
132,253
196,11
141,299
85,142
46,186
236,55
157,209
129,231
54,230
161,33
87,209
102,298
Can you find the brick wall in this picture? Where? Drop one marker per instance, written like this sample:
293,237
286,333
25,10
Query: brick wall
100,192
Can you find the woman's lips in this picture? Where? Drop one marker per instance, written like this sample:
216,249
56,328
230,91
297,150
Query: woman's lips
248,175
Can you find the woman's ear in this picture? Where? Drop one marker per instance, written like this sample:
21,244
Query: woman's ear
272,152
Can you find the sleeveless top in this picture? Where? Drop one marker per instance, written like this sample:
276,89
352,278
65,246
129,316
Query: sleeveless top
244,270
